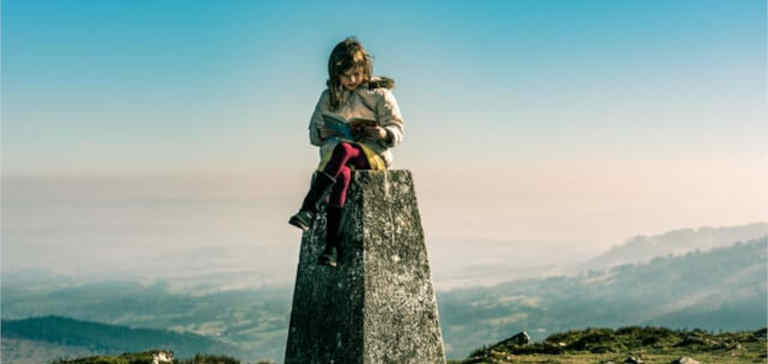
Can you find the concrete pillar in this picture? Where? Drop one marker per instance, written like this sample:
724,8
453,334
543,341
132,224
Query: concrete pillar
378,305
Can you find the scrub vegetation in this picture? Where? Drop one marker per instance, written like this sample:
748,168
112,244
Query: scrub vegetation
593,345
644,344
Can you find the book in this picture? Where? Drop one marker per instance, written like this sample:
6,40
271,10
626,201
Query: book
348,129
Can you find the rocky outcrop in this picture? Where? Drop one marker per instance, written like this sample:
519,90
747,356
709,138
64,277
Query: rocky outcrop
162,356
521,338
378,305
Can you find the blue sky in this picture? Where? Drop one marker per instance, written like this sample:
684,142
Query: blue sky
240,77
572,115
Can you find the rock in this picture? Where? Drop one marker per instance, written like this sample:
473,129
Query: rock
161,356
633,360
521,338
685,360
761,334
696,340
378,305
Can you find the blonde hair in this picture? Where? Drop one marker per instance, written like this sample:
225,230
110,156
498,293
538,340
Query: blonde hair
347,55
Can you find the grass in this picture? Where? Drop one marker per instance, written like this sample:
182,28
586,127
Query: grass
147,357
651,344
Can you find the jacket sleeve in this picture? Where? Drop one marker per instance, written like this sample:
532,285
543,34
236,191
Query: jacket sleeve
316,121
390,119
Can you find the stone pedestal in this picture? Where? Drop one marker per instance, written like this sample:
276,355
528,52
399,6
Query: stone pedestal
378,305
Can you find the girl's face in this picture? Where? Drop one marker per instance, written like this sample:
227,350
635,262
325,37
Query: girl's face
352,78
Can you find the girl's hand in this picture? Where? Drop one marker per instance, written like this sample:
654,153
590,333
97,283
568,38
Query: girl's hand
375,132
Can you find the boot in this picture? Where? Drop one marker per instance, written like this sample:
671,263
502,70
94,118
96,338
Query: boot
321,184
332,237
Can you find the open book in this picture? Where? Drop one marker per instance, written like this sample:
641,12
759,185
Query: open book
349,129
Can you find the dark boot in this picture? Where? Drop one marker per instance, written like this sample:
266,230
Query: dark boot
332,237
321,184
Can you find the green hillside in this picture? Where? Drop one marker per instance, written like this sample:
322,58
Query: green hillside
254,320
645,344
650,345
105,338
723,288
147,357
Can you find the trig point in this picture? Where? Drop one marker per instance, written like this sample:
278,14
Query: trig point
378,305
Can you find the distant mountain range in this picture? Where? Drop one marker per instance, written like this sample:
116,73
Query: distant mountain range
643,248
723,288
720,288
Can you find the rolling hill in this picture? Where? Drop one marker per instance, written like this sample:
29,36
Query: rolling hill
63,336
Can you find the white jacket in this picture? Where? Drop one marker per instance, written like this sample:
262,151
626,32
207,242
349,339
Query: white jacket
377,104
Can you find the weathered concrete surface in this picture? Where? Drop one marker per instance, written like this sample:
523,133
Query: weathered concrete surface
378,305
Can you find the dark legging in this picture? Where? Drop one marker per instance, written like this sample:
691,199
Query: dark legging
344,155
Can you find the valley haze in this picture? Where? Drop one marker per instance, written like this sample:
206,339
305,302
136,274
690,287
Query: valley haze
207,269
229,232
707,283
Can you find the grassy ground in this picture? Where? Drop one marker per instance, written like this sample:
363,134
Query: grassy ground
649,344
749,355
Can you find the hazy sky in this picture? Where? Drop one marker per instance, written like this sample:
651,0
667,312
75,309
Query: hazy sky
571,124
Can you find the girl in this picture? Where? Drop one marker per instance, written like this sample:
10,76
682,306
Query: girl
352,93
